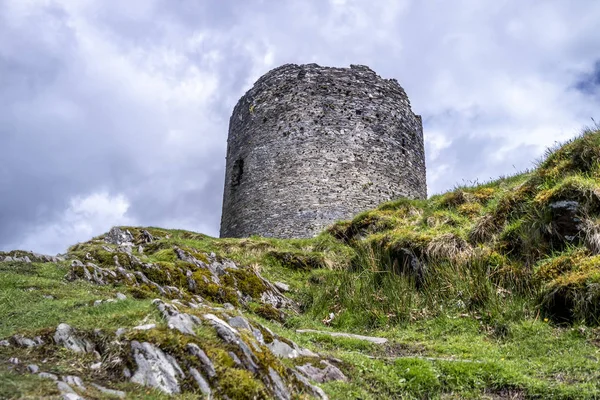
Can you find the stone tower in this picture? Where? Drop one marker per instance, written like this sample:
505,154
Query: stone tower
310,145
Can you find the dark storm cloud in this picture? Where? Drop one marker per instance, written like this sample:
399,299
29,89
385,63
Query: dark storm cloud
589,83
116,112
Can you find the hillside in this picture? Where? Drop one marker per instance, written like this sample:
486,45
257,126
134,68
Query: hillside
490,291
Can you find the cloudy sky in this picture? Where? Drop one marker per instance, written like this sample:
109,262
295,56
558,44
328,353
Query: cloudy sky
115,112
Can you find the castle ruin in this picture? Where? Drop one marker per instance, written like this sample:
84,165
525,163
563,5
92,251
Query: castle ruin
310,145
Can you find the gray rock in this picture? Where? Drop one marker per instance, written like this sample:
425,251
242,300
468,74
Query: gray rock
120,332
119,237
184,323
121,296
97,303
8,259
376,340
73,380
216,321
282,349
313,390
96,366
231,336
280,391
76,263
147,237
146,327
48,297
228,306
201,382
258,336
4,343
327,374
155,368
47,375
236,359
110,392
66,337
240,323
71,396
566,220
14,360
283,287
34,369
304,352
65,388
26,342
207,365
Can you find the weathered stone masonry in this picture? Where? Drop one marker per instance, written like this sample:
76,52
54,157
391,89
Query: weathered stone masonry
309,145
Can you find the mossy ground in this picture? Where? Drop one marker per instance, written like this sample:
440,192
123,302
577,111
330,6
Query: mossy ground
477,291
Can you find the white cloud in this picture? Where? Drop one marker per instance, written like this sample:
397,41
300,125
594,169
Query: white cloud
133,97
86,216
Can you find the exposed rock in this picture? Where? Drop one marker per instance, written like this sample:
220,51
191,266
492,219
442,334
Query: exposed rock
231,336
327,374
146,327
283,287
279,388
184,323
201,382
155,368
121,296
119,237
47,375
207,365
236,359
4,343
72,380
147,237
22,341
14,360
66,337
313,390
71,396
110,392
282,349
228,306
34,369
65,388
96,366
376,340
565,219
240,323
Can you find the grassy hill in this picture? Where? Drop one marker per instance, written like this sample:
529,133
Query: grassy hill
490,291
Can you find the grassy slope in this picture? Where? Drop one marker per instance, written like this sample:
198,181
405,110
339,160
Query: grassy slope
477,290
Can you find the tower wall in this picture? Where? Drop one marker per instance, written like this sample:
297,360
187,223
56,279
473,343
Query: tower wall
310,145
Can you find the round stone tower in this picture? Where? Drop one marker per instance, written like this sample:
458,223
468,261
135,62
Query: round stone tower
310,145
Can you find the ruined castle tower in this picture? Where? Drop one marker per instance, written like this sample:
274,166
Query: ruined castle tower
310,145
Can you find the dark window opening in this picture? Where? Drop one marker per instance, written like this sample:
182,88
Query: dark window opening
236,174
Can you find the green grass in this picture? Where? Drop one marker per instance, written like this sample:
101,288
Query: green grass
23,307
477,291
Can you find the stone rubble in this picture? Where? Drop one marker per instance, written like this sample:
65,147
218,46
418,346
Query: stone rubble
66,336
